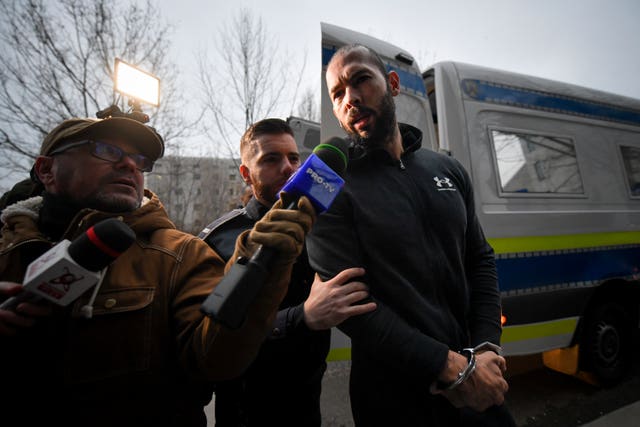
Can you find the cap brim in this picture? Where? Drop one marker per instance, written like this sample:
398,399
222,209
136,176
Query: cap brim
135,132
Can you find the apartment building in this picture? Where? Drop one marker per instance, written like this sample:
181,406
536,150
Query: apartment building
196,190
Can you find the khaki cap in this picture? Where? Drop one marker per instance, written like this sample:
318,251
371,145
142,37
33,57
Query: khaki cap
148,141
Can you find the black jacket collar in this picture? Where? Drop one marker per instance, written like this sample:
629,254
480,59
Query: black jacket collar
255,210
411,141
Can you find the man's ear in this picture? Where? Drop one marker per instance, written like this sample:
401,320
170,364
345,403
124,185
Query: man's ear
43,168
394,82
246,176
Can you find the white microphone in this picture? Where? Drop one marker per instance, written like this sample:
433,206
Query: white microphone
69,269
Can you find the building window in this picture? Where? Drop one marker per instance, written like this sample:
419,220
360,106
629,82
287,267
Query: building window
529,163
631,161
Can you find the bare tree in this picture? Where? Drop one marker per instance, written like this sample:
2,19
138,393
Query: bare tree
308,106
56,62
249,80
178,181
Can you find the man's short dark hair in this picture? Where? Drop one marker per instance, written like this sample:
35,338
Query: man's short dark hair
376,60
269,126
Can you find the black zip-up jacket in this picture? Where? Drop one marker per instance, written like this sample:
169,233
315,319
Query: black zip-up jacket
282,386
412,225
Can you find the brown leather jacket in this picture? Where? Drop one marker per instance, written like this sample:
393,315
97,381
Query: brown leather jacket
147,354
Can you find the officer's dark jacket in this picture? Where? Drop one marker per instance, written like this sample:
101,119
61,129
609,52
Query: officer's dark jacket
291,362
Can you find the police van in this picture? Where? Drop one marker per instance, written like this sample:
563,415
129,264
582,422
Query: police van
556,175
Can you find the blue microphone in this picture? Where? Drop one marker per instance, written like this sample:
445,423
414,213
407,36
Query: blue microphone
319,179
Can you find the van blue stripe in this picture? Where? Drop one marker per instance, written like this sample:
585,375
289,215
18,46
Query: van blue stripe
509,95
531,270
408,81
327,54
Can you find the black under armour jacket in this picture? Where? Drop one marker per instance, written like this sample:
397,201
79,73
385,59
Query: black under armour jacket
412,225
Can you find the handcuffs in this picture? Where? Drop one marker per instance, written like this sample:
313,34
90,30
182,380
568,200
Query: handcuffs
470,353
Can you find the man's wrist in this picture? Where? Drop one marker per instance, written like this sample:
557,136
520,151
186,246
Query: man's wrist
488,346
464,374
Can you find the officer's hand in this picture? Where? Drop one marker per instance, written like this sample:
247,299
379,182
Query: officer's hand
331,302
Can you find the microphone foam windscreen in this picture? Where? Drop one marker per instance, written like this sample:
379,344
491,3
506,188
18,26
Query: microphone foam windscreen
334,153
101,244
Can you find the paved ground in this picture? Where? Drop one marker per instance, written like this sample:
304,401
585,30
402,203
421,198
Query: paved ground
628,416
335,404
570,396
336,410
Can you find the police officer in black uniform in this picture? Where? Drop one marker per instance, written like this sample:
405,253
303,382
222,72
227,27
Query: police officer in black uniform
282,387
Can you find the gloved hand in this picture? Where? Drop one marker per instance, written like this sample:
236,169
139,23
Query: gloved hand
284,229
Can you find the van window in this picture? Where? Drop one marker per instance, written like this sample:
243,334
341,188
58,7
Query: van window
411,109
311,138
631,160
530,163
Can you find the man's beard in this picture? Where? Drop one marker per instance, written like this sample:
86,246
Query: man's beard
104,202
100,199
112,203
382,127
267,193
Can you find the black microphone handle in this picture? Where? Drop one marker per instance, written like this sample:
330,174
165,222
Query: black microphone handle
263,256
12,302
230,300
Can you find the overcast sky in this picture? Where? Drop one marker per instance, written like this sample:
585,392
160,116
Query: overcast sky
592,43
586,42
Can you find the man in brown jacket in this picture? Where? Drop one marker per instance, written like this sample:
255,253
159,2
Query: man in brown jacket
145,355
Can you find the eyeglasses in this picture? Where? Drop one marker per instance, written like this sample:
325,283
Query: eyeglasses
110,153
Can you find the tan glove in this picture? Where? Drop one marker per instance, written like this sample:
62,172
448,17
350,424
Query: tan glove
284,230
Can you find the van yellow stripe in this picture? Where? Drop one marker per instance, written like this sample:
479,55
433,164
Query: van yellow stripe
538,330
337,354
509,334
567,241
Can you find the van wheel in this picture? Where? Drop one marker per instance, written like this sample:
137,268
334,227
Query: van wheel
607,342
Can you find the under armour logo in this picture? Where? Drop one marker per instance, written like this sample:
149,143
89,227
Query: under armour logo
443,184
